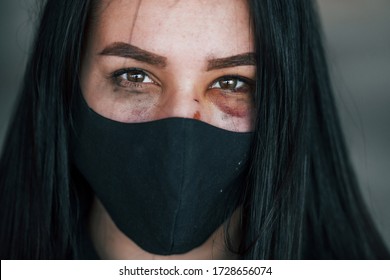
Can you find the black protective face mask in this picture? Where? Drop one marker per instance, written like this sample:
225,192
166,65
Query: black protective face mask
166,184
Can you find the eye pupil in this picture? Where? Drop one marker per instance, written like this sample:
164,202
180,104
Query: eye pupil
136,77
228,84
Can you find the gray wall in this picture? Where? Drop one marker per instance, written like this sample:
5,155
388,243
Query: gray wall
358,44
16,32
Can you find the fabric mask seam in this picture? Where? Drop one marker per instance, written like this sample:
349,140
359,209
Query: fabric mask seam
181,188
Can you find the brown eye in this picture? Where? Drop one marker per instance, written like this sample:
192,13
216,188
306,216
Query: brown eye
232,84
135,76
132,78
228,84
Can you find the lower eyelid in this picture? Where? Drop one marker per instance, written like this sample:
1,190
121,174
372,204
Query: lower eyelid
136,88
129,84
245,89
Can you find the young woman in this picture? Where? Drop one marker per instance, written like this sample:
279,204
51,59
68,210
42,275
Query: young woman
179,129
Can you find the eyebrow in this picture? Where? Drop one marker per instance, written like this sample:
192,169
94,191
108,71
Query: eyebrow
129,51
126,50
232,61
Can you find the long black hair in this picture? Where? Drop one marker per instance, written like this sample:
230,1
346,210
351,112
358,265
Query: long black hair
302,200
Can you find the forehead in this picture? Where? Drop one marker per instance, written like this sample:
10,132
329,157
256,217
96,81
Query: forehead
203,28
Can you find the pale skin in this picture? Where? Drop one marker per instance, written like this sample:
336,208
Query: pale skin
152,59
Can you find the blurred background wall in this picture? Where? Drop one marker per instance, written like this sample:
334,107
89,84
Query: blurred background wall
357,36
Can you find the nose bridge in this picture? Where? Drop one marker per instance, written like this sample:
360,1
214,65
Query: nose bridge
179,101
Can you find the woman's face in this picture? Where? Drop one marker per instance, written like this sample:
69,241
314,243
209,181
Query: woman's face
152,59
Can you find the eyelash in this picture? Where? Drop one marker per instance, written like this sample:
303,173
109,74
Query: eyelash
120,80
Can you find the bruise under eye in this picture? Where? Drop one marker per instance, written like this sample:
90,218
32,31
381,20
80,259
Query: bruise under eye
239,105
233,95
